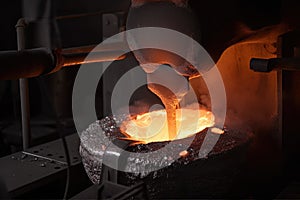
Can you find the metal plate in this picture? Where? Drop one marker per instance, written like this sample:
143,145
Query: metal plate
25,171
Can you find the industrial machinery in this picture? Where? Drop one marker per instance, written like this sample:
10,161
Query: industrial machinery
179,99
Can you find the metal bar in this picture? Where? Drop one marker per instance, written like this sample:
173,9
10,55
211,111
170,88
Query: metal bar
268,65
92,54
85,58
24,90
26,63
36,62
104,48
44,157
82,49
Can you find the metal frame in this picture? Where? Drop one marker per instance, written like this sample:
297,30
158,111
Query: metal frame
39,160
37,166
24,89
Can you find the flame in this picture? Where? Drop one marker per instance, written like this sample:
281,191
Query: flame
153,127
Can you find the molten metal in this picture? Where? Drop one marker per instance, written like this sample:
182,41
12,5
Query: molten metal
153,126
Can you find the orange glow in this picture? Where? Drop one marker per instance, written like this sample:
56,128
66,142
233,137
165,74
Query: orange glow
183,153
153,126
217,131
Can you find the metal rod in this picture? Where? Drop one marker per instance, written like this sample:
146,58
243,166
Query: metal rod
24,90
26,63
43,157
35,62
104,48
268,65
94,57
92,54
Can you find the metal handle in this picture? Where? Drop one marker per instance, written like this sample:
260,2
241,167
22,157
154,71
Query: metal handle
268,65
36,62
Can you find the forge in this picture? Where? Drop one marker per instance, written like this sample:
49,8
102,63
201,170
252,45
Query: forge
182,172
